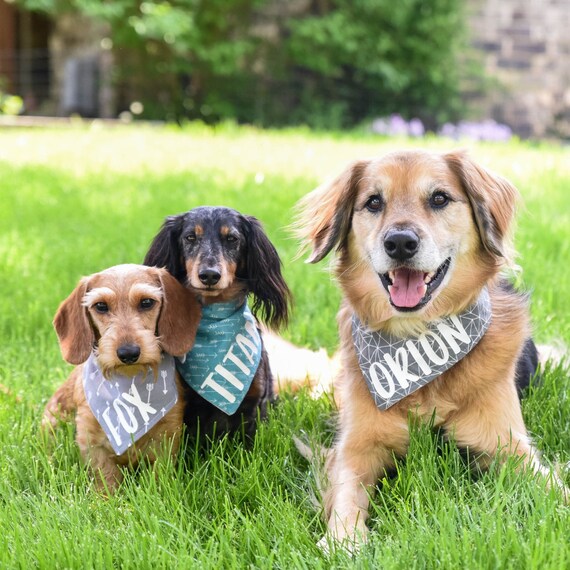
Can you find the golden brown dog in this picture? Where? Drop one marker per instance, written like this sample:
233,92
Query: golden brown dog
126,316
418,237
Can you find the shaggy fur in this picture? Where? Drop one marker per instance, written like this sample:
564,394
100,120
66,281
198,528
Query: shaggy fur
221,255
432,214
121,308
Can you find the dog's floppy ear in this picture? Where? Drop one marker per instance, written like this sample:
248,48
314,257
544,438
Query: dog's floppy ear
179,316
263,275
165,250
493,201
74,331
326,213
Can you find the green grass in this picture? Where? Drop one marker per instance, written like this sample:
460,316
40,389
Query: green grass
76,201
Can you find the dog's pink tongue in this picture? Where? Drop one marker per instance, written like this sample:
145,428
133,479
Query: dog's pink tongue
408,287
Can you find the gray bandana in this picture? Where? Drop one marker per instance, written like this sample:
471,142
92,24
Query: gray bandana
126,408
395,368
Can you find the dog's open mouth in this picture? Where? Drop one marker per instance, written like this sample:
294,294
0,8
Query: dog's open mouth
410,289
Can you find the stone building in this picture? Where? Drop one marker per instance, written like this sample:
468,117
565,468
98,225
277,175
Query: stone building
59,67
525,47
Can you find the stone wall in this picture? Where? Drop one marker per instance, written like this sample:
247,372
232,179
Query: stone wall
525,46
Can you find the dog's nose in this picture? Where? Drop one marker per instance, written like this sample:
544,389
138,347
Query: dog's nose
401,244
128,353
209,276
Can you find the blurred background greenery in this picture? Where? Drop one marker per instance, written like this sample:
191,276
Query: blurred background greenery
330,63
326,64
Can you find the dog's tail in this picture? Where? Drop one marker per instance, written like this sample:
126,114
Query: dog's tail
320,458
294,367
60,407
553,355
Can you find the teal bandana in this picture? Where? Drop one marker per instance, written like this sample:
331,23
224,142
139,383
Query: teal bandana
127,407
394,367
225,357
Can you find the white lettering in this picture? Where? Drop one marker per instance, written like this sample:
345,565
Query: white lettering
135,399
236,361
225,373
211,383
128,427
429,350
417,355
245,344
400,368
250,328
112,430
451,334
376,381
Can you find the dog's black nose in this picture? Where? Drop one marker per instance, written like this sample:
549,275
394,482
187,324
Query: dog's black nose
209,276
128,353
401,244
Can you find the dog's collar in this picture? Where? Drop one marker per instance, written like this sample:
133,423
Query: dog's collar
128,407
395,368
225,357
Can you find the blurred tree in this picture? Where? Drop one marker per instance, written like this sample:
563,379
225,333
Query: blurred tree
376,57
334,64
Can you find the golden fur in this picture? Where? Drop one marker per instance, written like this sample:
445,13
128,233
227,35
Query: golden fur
168,325
476,400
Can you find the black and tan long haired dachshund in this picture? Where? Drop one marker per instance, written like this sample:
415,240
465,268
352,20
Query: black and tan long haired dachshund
223,257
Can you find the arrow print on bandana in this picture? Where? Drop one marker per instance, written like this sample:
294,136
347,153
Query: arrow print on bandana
100,383
120,409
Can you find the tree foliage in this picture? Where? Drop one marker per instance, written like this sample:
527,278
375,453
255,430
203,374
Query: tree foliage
335,63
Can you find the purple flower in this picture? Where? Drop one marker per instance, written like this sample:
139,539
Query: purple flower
398,126
416,128
488,130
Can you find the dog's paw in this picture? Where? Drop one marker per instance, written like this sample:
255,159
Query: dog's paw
351,543
324,545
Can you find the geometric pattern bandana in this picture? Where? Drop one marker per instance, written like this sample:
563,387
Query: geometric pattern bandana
395,368
225,356
127,407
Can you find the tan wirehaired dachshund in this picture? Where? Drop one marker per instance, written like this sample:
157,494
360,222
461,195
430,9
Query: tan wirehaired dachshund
122,327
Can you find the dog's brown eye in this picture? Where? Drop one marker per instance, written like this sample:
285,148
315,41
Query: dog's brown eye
147,304
231,239
190,237
374,204
439,200
101,307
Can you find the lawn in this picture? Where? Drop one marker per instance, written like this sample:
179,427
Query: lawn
76,201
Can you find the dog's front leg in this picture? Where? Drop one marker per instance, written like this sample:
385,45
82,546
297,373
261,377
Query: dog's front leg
353,469
106,471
